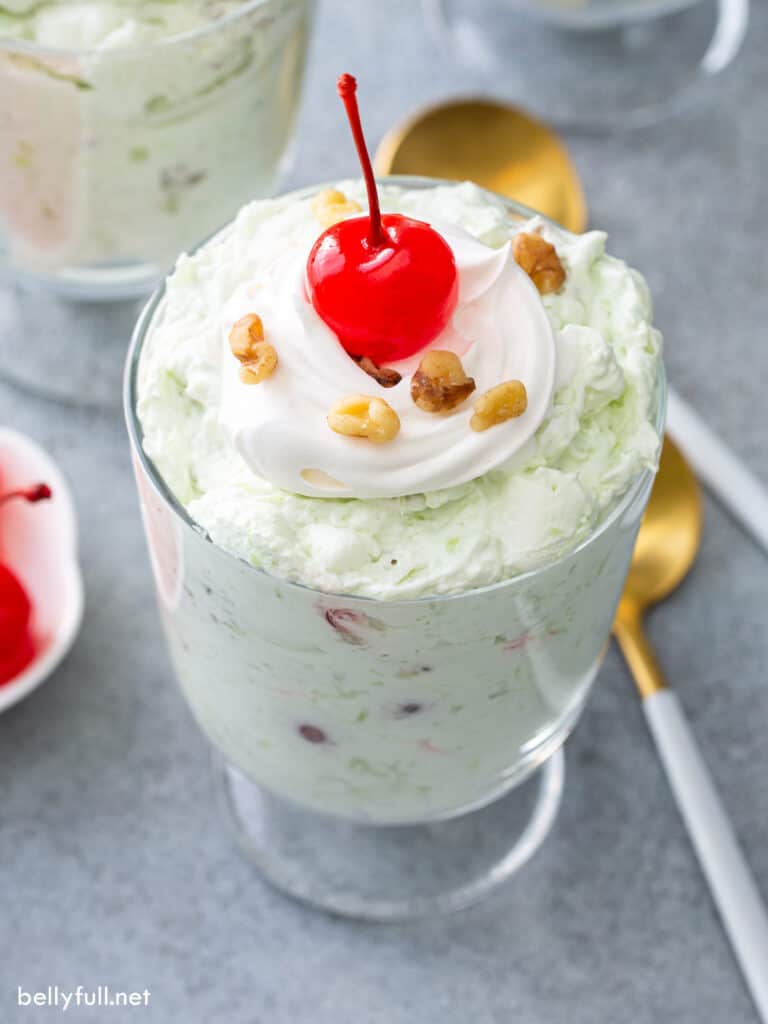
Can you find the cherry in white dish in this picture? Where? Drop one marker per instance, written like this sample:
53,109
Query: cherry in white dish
38,547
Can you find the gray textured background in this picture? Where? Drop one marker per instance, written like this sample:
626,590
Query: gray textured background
114,865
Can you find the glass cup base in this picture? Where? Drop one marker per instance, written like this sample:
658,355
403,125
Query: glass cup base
391,873
64,350
98,284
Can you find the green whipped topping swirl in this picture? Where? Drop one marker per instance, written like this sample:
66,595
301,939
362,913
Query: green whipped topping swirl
598,435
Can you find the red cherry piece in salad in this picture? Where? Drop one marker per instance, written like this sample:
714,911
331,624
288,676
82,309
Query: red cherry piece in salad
385,285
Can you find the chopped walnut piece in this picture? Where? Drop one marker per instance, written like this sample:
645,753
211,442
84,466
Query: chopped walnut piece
257,356
383,375
246,333
331,206
506,401
440,383
263,365
364,416
539,259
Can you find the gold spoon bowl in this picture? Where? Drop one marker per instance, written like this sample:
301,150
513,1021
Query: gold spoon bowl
497,146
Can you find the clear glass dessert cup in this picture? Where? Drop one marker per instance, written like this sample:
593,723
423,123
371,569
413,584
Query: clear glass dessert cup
114,160
383,759
591,63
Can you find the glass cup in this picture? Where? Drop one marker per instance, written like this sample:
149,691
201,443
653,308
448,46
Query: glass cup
591,63
379,758
113,161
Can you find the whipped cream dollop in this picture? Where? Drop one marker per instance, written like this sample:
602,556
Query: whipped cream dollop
599,433
499,330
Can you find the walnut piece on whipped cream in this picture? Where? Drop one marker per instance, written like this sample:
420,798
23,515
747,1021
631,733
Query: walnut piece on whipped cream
257,357
364,416
331,206
440,383
539,259
386,376
504,402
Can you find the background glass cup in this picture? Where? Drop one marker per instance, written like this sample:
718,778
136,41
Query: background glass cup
113,161
365,747
591,63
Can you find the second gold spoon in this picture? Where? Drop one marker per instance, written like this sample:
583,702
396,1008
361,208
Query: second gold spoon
666,548
497,146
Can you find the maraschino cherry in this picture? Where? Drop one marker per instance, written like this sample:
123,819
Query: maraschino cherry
16,644
386,285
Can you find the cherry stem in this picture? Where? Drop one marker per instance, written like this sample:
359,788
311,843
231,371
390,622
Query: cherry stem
38,492
347,90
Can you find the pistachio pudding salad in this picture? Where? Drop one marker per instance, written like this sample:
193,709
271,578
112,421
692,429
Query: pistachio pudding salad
130,129
392,447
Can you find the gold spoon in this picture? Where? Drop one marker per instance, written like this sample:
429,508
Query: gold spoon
666,547
667,544
496,146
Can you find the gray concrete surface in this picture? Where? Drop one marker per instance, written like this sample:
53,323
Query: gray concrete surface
115,868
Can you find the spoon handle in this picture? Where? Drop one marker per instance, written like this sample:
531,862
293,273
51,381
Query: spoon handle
730,880
720,468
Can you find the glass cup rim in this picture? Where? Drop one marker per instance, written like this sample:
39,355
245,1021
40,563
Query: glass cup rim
32,49
169,499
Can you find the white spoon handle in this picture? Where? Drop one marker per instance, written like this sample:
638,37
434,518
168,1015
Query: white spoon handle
730,880
722,471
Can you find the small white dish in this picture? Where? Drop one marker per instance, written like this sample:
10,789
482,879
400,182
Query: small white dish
39,543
